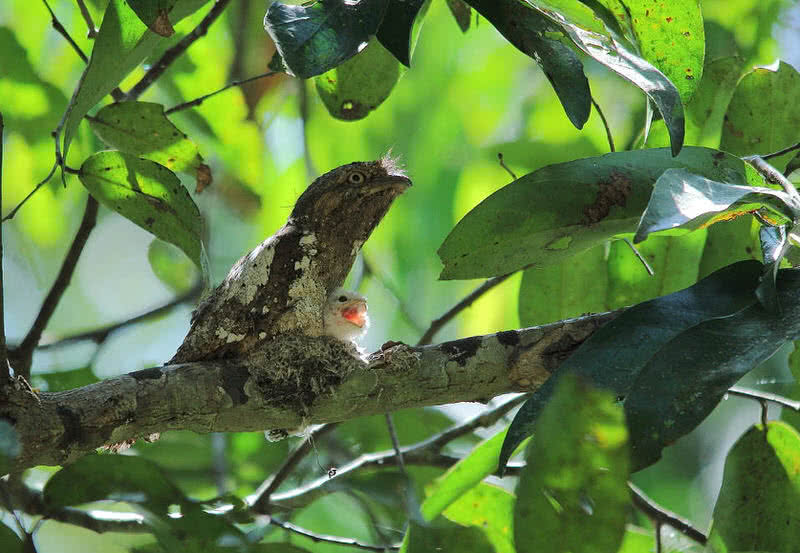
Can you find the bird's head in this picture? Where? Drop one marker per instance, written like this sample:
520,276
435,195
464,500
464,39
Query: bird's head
345,315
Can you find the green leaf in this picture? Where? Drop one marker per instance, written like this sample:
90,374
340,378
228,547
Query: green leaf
572,494
9,541
361,84
444,536
155,14
684,200
757,505
531,33
10,447
489,508
706,110
312,39
761,116
614,356
66,380
400,27
461,13
589,34
114,477
462,476
122,43
148,194
561,210
170,266
688,376
142,129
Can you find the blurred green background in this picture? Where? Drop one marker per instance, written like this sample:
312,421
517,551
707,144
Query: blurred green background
466,98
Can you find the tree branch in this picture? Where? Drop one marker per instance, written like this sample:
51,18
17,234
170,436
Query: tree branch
22,354
662,516
173,53
92,30
292,381
761,397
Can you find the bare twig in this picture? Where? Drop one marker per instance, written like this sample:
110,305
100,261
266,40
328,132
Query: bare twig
395,443
759,396
63,32
173,53
484,420
201,99
504,166
639,256
268,487
99,335
781,152
774,176
660,515
91,29
5,375
23,353
32,192
437,324
337,540
605,125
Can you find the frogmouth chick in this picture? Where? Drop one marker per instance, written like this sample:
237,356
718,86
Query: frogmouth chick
345,315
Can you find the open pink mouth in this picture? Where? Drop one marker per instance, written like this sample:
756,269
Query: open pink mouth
356,314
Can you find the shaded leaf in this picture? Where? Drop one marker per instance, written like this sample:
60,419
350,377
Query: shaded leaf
588,34
572,494
122,43
444,536
397,32
312,39
155,14
688,376
359,85
564,209
170,266
142,129
614,356
531,33
774,244
9,541
706,110
757,505
115,477
148,194
685,200
461,13
489,508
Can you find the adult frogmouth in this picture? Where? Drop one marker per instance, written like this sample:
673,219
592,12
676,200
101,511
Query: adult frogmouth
283,284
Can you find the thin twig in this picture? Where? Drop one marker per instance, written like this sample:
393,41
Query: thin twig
92,30
437,324
32,192
63,32
5,374
773,175
201,99
23,353
504,166
605,125
288,526
662,515
765,396
395,443
268,487
484,420
389,286
173,53
640,257
781,152
99,335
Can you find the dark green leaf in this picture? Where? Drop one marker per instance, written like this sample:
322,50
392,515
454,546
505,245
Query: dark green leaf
572,494
142,129
9,446
588,34
122,43
564,209
774,244
757,505
444,536
687,377
148,194
461,13
531,33
761,116
685,200
359,85
115,477
706,110
9,541
396,33
155,14
312,39
614,355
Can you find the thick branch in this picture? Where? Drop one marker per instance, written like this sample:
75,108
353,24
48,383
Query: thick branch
293,381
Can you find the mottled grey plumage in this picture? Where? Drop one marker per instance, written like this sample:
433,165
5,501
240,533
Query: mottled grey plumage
282,285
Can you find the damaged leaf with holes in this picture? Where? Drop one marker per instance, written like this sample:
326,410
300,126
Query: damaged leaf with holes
564,209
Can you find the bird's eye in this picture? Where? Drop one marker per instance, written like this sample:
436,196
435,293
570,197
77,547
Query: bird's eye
342,299
356,177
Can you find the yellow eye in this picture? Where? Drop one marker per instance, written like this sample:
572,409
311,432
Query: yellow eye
342,299
356,177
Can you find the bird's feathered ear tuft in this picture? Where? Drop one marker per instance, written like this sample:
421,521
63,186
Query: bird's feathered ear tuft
391,164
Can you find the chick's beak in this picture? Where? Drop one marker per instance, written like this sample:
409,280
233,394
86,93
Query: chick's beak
355,312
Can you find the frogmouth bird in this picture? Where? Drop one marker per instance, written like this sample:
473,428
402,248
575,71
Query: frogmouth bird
283,285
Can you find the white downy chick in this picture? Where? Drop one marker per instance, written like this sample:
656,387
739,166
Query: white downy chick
345,315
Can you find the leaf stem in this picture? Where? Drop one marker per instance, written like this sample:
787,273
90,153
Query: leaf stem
63,32
760,396
605,125
640,257
774,176
661,515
